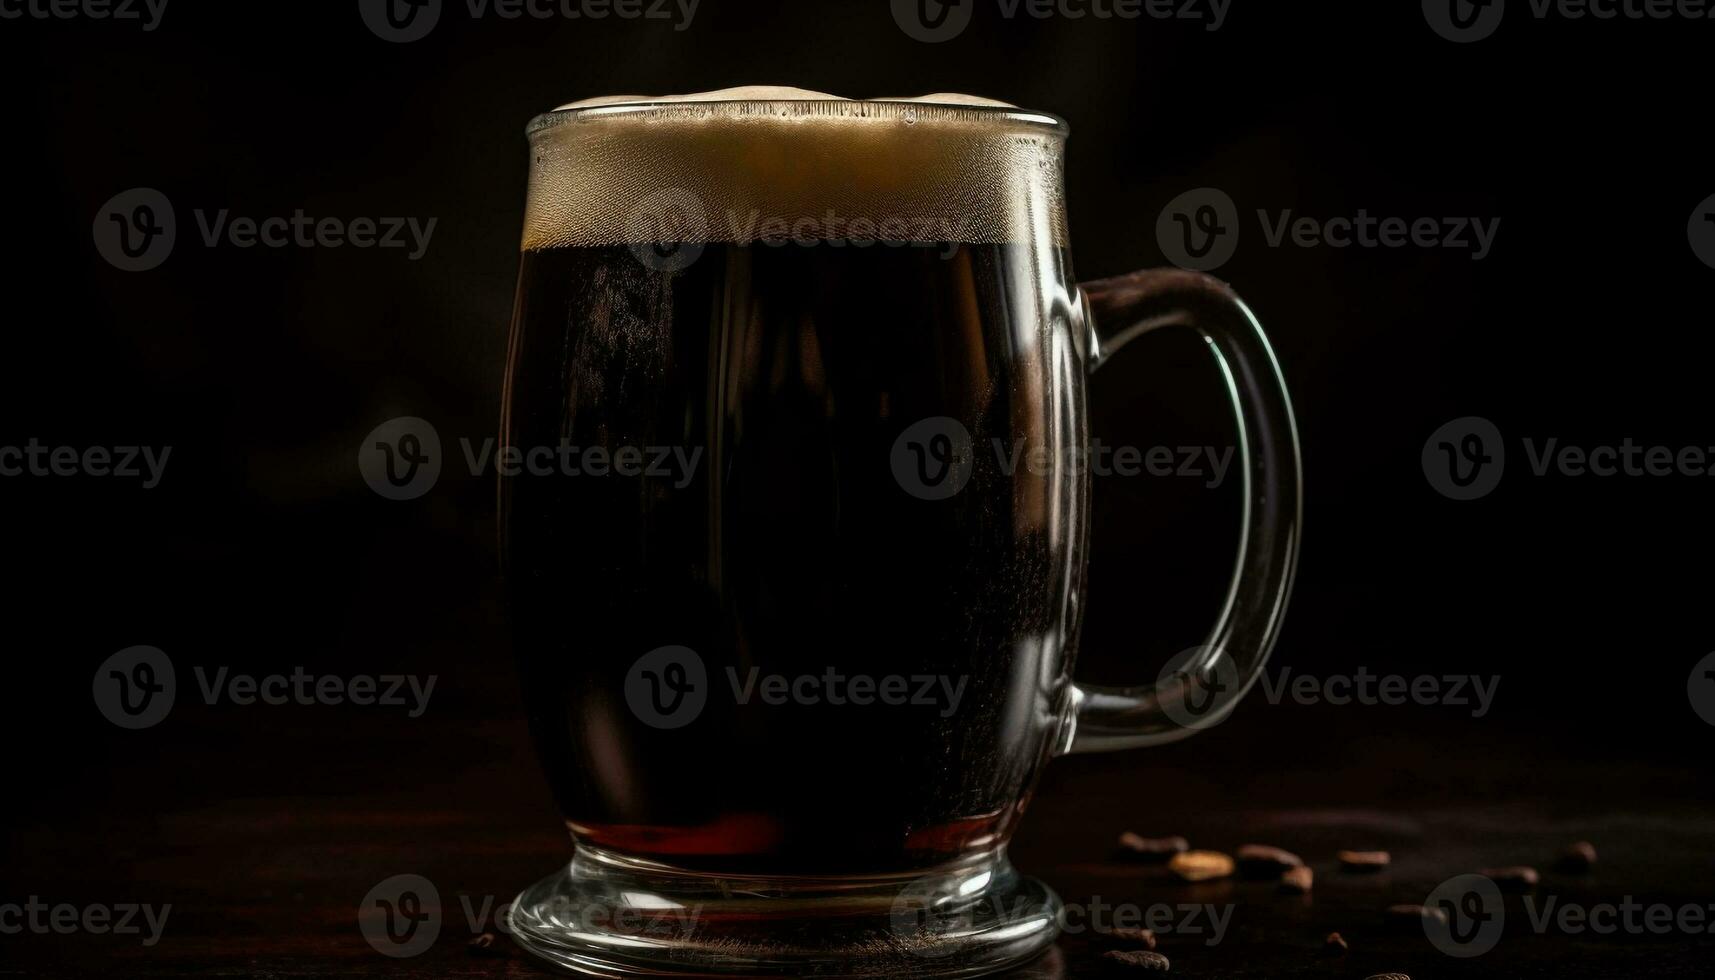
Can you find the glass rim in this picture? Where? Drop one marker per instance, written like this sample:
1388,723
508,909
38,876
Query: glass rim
1047,122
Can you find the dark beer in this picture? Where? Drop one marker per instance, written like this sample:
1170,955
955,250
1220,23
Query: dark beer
793,547
794,507
824,416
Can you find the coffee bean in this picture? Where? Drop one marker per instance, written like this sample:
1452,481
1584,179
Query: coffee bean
1334,945
1200,865
1137,960
1261,861
1296,881
1365,861
1578,858
485,945
1137,848
1413,915
1513,879
1141,937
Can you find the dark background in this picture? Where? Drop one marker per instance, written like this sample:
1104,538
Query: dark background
263,549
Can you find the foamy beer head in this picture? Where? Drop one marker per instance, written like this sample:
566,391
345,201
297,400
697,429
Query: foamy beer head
772,164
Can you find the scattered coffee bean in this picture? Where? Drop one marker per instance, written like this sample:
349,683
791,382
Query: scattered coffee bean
1200,865
1365,861
1142,937
1579,858
1388,976
1261,861
485,945
1297,881
1334,945
1515,879
1414,914
1137,959
1138,848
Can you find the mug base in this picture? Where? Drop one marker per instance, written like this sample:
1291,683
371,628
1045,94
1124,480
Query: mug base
609,915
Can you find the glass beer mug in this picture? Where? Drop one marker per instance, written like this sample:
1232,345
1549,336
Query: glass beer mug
796,628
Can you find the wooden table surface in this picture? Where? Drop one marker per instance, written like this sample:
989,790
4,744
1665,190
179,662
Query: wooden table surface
265,840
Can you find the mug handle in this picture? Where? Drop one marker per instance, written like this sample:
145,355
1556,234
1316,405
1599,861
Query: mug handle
1204,688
